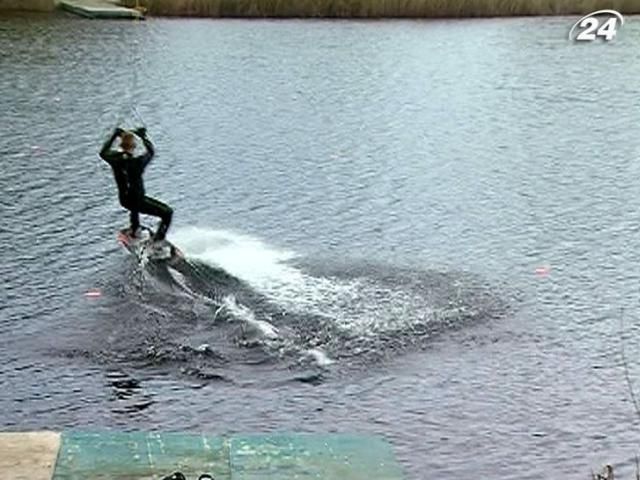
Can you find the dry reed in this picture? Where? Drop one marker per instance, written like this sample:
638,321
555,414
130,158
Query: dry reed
379,8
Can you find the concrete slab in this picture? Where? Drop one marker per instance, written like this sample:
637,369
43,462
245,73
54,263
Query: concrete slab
29,456
146,456
137,456
317,457
100,9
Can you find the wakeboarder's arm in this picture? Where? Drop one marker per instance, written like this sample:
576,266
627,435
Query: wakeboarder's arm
148,155
107,153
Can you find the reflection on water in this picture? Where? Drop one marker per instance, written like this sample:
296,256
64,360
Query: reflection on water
129,396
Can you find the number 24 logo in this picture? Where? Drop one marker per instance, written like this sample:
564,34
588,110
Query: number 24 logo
590,28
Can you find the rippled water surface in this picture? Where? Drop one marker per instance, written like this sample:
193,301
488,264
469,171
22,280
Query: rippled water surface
423,230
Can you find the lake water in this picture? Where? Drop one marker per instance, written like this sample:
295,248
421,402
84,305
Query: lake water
425,230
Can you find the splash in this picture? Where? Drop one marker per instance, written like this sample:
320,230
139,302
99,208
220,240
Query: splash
320,357
245,314
264,268
359,305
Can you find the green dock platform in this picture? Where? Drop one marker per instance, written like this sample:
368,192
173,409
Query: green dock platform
100,9
138,456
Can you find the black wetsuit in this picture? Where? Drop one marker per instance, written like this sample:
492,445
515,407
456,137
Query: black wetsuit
128,171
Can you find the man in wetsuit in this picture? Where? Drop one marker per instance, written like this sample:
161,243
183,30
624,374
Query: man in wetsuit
128,170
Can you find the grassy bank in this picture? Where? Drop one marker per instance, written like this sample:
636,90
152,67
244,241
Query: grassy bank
27,5
379,8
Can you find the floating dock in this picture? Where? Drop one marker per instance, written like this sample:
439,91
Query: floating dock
100,9
138,456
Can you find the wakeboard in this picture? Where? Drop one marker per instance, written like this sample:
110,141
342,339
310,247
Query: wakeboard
144,247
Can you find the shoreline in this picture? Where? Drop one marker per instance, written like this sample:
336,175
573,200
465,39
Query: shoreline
377,9
27,6
348,9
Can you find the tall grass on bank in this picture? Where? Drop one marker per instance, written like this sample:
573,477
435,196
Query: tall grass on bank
27,5
379,8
